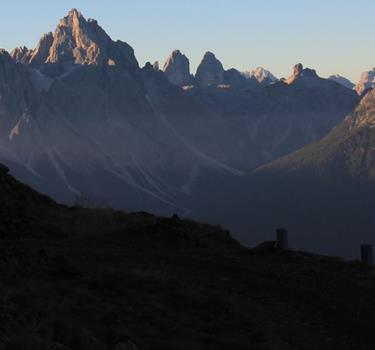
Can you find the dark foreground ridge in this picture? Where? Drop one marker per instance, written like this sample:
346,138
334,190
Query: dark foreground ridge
73,278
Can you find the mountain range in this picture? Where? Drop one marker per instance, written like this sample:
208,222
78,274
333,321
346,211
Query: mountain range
80,118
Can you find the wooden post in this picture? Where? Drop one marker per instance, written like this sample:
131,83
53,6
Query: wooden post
367,254
282,239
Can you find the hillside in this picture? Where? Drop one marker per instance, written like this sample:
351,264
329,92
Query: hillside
97,279
349,150
28,214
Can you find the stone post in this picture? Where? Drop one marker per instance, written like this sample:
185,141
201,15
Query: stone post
282,239
367,254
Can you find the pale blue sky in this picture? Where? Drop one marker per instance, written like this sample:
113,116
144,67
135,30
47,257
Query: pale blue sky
333,36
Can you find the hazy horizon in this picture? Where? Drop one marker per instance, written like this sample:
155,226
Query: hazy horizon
332,38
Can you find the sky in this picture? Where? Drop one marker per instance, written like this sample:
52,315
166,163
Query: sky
331,36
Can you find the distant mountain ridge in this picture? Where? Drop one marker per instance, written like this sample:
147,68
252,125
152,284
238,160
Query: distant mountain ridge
342,80
79,117
211,72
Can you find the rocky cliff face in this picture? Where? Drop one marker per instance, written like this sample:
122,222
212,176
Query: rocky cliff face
366,83
364,115
299,73
210,72
21,54
177,69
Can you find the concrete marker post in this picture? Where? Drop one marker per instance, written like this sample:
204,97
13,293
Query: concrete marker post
367,255
282,239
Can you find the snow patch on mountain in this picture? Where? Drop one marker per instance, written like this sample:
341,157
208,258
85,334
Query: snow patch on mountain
260,74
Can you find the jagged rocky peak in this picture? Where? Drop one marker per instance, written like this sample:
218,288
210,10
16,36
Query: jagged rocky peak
210,72
366,83
80,41
21,54
177,69
263,76
342,80
41,53
298,71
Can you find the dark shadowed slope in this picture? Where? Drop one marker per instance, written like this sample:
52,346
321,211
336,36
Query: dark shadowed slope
74,279
27,214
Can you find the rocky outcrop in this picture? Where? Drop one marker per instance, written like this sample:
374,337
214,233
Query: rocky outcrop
210,72
342,81
366,83
177,69
40,54
298,71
